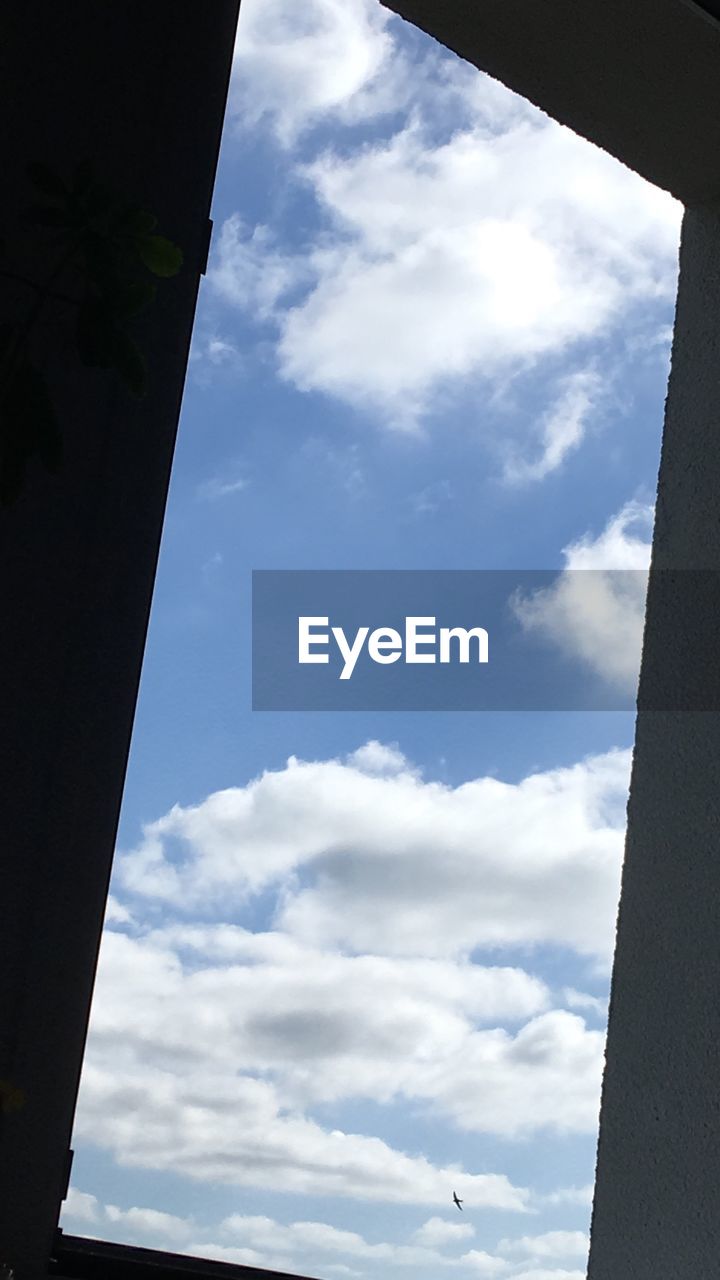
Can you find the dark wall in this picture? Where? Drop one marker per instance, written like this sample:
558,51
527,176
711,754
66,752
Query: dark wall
638,77
139,88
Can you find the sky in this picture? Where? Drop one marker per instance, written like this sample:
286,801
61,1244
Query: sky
354,962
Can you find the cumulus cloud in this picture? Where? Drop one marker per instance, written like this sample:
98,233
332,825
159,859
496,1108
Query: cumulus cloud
322,1239
152,1224
208,1070
378,758
199,1118
568,1195
211,1043
512,1084
438,1231
480,1263
81,1206
311,1018
551,1244
211,1069
296,65
595,610
542,1273
394,864
469,258
216,1043
624,543
261,1241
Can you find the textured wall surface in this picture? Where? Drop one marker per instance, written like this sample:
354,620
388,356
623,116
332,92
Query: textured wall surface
141,92
658,1178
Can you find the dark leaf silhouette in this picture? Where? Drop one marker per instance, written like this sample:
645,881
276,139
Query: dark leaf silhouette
132,299
130,363
159,255
40,215
111,245
28,426
95,334
47,182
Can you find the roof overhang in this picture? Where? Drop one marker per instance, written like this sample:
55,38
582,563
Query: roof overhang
637,77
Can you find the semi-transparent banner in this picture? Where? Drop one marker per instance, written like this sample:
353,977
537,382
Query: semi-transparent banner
484,640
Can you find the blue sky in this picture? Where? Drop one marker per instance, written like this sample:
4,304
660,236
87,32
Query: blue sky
354,962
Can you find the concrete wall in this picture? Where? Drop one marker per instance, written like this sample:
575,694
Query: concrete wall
656,1214
140,88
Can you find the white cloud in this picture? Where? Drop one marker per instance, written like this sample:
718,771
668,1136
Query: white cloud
320,1238
483,1264
264,1232
222,486
212,349
557,1273
438,1231
248,269
595,609
81,1206
116,912
221,350
242,1256
211,1045
581,1000
137,1225
311,1024
568,1195
551,1244
542,1273
562,428
546,1077
398,865
296,65
623,544
378,758
195,1115
261,1241
309,1017
151,1224
469,258
407,877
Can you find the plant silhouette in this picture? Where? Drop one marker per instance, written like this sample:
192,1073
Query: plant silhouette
109,254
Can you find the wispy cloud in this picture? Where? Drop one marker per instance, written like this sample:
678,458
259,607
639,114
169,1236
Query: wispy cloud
428,501
562,428
221,487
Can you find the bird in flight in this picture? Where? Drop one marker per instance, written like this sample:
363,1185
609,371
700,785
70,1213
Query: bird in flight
459,1203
